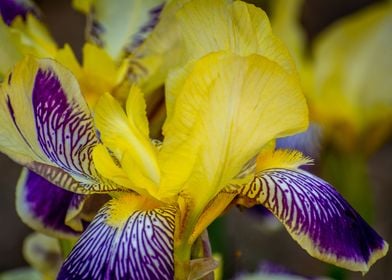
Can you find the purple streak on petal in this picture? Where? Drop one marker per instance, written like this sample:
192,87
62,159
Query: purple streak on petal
65,131
141,248
47,204
307,142
146,29
309,206
10,9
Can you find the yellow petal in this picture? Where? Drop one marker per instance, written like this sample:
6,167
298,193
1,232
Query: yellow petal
208,26
83,6
227,108
21,38
126,136
9,52
160,52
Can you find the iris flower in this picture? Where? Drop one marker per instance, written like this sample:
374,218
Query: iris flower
233,93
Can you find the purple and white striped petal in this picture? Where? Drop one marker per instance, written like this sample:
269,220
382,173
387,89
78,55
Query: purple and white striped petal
46,125
317,217
44,206
140,246
10,9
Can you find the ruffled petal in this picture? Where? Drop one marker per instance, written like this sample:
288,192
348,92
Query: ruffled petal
210,26
45,207
221,102
46,124
120,27
317,217
125,243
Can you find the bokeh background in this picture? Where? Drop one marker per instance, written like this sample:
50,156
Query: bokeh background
244,237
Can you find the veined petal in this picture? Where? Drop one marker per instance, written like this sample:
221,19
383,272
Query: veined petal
127,137
128,239
227,108
44,206
46,124
317,217
220,25
120,27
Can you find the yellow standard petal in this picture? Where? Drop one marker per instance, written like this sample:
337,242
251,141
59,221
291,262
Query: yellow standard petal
208,26
227,108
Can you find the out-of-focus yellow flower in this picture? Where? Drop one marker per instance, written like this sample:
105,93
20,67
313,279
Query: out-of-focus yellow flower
347,80
351,93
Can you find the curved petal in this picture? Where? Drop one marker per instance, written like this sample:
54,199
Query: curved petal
126,135
44,206
125,243
317,217
120,27
222,102
46,124
28,36
210,26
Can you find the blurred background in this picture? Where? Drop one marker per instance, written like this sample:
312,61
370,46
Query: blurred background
244,236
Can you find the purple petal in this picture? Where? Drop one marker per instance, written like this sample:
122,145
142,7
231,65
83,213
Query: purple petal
10,9
65,131
47,125
318,218
307,142
140,247
44,206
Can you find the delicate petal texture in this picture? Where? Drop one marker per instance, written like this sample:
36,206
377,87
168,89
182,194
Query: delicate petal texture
108,29
135,244
317,217
10,9
208,26
223,101
127,137
352,85
44,206
47,125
